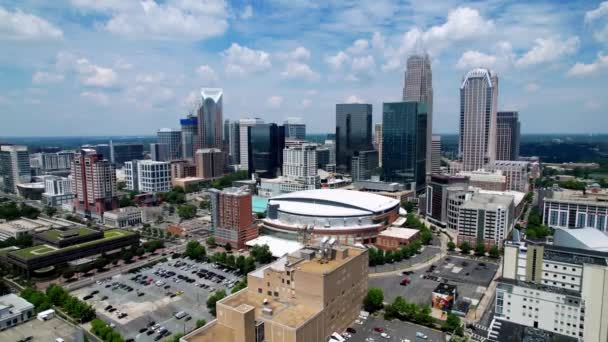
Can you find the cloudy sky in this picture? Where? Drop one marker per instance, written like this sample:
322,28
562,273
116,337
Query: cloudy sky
113,67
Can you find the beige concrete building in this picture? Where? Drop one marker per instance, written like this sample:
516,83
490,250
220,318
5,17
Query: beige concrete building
303,296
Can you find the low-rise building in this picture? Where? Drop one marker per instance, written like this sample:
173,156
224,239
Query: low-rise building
187,182
123,217
571,209
14,310
394,237
388,189
26,226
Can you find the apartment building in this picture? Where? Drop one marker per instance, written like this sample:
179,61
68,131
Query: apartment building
486,218
303,296
516,174
93,184
148,176
231,216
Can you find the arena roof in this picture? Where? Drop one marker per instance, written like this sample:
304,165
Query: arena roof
333,202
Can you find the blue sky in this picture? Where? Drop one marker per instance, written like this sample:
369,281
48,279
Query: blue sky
93,67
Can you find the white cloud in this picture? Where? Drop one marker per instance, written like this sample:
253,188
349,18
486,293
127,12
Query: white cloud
297,70
19,25
582,69
500,61
43,77
247,12
97,97
353,99
600,11
358,47
601,35
378,41
89,74
364,64
153,19
532,87
299,53
274,101
548,50
337,61
206,73
242,60
306,103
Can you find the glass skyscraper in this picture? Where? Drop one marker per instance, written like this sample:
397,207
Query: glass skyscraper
266,143
404,129
353,132
210,121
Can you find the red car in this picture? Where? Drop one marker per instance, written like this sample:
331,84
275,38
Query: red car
378,329
404,281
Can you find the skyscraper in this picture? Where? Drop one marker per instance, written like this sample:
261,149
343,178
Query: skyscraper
477,139
121,153
231,218
300,165
295,129
244,125
418,87
507,135
210,163
404,128
189,140
14,167
210,118
378,141
234,143
266,143
436,154
173,139
362,164
353,132
94,184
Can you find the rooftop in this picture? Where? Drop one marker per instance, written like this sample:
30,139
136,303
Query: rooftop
56,235
572,196
488,201
278,247
513,332
445,289
400,233
589,238
540,287
17,303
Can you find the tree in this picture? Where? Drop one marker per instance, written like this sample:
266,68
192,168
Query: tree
261,254
239,286
195,251
451,324
50,211
210,242
465,247
451,246
228,247
186,211
480,249
494,252
125,201
408,206
200,323
374,300
213,299
205,204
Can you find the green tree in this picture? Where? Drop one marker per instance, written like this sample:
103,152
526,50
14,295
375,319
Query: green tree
125,201
451,246
408,206
261,254
195,251
228,247
200,323
451,324
239,286
465,248
494,252
374,300
50,211
213,299
480,249
211,242
186,211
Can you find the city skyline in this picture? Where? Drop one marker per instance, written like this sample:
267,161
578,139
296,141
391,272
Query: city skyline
82,57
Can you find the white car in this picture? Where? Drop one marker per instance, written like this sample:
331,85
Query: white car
385,335
405,340
358,322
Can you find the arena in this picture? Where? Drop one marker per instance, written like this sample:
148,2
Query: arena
349,216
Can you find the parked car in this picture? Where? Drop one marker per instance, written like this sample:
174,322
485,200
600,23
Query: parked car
404,281
379,329
421,335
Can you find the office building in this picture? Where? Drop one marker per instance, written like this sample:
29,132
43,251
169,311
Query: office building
477,138
123,217
234,143
437,191
14,167
436,154
507,135
378,141
104,150
362,164
210,118
57,163
323,157
93,184
189,140
173,139
57,191
353,132
14,310
418,87
159,152
486,218
404,129
295,129
148,176
266,143
486,180
570,209
122,153
558,289
307,295
244,125
299,172
182,169
516,173
231,216
210,163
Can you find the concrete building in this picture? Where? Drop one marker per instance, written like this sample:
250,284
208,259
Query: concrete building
182,169
363,163
190,140
304,296
353,132
121,153
244,125
25,226
14,310
231,217
394,237
58,163
299,172
57,191
507,135
477,138
172,138
418,87
148,176
437,194
486,180
210,163
93,185
295,129
554,288
123,217
486,218
436,154
14,167
210,118
159,152
516,174
571,209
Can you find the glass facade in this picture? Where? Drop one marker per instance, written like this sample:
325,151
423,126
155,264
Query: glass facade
353,132
266,143
404,129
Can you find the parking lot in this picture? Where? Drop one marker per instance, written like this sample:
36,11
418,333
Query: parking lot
421,284
397,330
144,304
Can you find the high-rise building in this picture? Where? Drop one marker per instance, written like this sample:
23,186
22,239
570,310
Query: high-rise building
362,164
378,141
516,173
234,143
295,129
353,132
182,169
173,139
210,163
189,140
148,176
507,135
418,87
51,163
159,152
323,156
232,220
404,129
93,184
477,139
486,218
210,118
226,136
436,154
266,143
300,165
104,150
14,167
437,193
244,125
121,153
